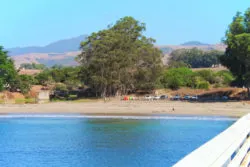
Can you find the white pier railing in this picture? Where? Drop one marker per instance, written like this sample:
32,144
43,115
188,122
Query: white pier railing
229,148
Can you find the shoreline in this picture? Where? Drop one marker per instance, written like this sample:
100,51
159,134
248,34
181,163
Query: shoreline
122,117
118,108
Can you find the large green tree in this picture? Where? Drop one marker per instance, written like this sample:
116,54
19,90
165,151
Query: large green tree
120,59
237,55
8,73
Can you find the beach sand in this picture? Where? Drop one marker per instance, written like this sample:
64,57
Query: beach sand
228,109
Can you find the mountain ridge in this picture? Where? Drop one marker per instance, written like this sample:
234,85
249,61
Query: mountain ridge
60,46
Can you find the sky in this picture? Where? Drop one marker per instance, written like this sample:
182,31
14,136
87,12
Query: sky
170,22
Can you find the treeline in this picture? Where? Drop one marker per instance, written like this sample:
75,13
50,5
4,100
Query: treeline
68,78
194,58
33,66
72,78
10,80
174,78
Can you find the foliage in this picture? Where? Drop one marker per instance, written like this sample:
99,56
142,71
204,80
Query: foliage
202,85
174,78
195,58
61,87
177,64
67,75
121,59
177,77
9,78
8,73
226,77
25,101
207,75
43,78
237,55
25,83
1,85
57,66
33,66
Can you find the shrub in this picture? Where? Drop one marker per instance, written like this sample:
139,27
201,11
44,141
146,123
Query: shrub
61,87
175,78
207,75
227,77
202,85
60,91
25,82
174,83
218,85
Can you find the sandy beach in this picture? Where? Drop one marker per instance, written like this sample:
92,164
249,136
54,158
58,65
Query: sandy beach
228,109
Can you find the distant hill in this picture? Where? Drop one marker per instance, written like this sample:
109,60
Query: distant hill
193,43
63,52
61,46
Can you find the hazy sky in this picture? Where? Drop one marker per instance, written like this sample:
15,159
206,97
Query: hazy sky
39,22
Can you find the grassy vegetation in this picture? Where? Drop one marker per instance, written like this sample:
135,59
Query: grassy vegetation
25,101
87,100
1,101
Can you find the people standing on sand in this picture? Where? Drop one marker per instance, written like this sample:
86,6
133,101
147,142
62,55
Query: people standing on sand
173,109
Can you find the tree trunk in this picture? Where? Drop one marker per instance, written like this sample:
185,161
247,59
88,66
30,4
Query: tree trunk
248,92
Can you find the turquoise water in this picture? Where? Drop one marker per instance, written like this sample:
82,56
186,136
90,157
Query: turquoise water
79,142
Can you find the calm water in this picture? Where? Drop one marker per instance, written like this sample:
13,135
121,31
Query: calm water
79,142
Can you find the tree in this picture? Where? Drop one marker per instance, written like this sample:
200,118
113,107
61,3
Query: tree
8,73
237,55
44,77
70,76
121,59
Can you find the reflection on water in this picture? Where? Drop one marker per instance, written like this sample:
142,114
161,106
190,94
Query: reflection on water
81,142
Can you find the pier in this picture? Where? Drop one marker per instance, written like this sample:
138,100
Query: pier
228,149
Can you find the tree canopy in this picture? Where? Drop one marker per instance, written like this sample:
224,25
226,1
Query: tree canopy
195,58
8,73
120,59
70,76
237,55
